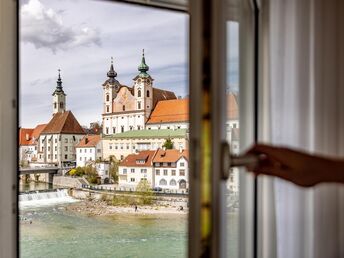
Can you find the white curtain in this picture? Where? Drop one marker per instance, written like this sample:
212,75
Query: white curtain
303,101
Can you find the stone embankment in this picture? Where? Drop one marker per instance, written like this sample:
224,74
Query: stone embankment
69,181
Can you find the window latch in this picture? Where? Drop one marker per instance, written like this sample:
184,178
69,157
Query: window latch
229,161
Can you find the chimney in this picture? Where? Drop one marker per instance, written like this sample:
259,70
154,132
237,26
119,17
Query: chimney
180,150
27,136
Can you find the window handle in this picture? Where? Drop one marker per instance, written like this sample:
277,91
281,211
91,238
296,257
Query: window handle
229,161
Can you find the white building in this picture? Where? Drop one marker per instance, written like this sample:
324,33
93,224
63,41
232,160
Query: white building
123,144
128,108
103,170
136,167
171,169
88,150
28,142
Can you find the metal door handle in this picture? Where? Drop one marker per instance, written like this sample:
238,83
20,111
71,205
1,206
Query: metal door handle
229,161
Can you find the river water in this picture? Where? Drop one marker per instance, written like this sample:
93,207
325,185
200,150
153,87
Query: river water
53,231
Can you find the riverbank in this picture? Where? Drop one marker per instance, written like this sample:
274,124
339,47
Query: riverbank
102,208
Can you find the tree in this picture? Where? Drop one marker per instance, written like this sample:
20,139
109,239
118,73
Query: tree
114,171
144,190
168,144
91,174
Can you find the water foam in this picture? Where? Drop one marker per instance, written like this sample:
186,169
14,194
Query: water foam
38,199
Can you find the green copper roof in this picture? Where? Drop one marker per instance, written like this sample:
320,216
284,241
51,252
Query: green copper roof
143,67
162,133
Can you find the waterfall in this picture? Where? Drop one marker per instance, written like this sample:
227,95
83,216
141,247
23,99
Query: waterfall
44,198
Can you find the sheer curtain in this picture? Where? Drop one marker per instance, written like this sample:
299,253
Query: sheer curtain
302,106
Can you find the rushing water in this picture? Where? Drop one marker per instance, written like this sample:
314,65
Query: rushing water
48,229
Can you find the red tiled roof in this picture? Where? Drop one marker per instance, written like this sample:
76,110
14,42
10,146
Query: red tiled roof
232,106
63,122
159,95
130,160
170,155
88,141
25,136
176,110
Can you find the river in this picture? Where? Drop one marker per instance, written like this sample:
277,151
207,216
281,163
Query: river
53,231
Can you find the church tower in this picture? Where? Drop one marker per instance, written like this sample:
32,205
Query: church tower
59,97
110,88
143,89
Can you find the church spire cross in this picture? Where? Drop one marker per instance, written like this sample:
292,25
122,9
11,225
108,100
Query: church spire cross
111,73
143,67
59,88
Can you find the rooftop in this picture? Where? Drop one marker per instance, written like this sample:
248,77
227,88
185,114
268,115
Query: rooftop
63,122
88,141
172,155
162,133
132,159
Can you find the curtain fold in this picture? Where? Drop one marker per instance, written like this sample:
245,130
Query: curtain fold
302,84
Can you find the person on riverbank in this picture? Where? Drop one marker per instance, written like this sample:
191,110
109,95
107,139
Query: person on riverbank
135,208
295,166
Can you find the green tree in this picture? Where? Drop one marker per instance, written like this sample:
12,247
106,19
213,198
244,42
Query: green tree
114,171
145,192
91,174
168,144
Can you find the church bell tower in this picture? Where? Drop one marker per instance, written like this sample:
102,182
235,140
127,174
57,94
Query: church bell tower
59,97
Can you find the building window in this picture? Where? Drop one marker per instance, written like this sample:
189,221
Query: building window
163,182
55,105
90,150
49,156
164,164
168,164
113,129
157,172
110,146
61,104
132,170
80,150
48,148
85,150
139,93
124,171
107,130
66,156
80,158
107,97
138,105
173,182
132,179
55,156
66,140
182,172
157,164
165,172
122,129
123,107
121,146
147,93
107,108
66,148
55,148
128,146
182,164
173,172
143,170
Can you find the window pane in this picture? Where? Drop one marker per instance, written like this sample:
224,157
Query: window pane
97,80
232,134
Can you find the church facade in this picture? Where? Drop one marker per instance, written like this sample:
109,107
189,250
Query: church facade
129,108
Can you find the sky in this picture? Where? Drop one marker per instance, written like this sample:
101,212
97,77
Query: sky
80,37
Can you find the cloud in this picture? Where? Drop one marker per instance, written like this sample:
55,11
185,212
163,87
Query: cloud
44,28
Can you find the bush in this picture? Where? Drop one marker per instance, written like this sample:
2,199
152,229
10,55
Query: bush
168,144
91,174
145,192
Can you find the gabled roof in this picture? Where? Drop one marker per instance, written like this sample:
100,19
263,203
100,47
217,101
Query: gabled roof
63,122
159,95
131,160
29,136
149,134
172,155
25,136
88,141
167,111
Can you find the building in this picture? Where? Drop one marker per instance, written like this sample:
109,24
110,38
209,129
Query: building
121,145
88,150
57,140
136,167
170,114
28,141
103,170
171,169
129,108
165,169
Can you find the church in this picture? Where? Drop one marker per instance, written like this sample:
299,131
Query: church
129,108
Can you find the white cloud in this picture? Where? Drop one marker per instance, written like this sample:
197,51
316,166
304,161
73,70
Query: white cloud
44,28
